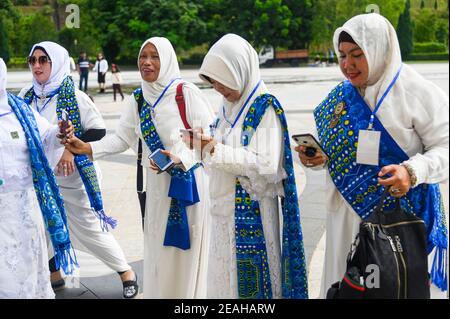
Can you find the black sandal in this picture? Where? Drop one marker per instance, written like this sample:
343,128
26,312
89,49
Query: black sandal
130,288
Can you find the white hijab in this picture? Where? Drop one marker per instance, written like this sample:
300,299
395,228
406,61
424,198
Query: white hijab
169,70
377,38
4,107
60,67
233,62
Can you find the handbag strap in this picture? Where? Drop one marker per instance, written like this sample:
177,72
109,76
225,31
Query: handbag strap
379,208
182,105
140,176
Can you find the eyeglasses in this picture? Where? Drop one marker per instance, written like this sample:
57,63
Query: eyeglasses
43,59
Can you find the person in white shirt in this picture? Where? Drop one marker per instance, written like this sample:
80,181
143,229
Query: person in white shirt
252,186
176,226
52,93
101,67
381,95
30,202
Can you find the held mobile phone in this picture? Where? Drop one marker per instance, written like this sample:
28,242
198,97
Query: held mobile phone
311,144
64,122
162,161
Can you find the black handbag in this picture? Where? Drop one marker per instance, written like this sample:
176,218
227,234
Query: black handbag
388,259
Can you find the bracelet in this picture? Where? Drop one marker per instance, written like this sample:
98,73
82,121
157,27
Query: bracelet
412,174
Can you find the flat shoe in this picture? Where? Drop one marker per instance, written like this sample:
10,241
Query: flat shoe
59,284
130,288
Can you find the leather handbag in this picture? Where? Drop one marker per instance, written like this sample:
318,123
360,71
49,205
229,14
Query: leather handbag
388,259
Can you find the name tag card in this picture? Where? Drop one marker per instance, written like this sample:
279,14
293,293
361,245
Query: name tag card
368,147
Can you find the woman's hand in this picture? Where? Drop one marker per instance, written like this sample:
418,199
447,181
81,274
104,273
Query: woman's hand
318,160
65,133
66,165
173,157
200,142
399,180
77,146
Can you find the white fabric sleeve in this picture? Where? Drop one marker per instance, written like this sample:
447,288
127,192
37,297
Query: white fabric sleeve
198,114
431,122
91,117
259,166
52,147
125,135
95,66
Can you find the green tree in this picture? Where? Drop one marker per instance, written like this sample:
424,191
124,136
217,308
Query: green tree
405,32
422,4
6,9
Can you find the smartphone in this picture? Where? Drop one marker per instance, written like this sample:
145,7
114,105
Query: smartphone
163,162
65,122
312,145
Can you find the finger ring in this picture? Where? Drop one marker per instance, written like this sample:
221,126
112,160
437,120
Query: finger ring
395,190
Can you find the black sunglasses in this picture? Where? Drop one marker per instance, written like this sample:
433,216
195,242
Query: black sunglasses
43,59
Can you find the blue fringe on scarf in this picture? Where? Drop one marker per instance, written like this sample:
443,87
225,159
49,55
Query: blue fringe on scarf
47,191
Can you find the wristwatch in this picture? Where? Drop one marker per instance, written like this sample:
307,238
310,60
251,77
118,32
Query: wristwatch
412,174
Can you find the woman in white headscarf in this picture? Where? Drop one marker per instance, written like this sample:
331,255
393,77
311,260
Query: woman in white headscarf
174,257
29,152
412,115
51,94
247,152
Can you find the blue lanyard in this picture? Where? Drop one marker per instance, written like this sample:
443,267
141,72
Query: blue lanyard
4,114
372,117
50,97
214,126
162,94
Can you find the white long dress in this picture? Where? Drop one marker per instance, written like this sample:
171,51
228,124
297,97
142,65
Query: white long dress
259,168
24,269
169,272
85,230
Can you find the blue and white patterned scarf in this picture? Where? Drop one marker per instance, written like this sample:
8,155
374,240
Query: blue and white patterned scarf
251,254
47,191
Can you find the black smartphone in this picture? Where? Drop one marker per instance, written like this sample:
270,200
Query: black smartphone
311,144
161,160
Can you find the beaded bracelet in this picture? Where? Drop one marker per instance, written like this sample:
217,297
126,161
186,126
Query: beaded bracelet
412,174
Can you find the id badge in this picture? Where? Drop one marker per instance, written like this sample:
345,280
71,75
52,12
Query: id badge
368,147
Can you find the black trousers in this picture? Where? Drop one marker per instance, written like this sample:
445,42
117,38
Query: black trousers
117,87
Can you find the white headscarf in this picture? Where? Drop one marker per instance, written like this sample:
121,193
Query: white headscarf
169,70
377,38
233,62
60,67
4,107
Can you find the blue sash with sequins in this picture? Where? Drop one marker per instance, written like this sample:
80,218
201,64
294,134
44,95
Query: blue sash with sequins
46,188
251,254
339,118
68,101
182,190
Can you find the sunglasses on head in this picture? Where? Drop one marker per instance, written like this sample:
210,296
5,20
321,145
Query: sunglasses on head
43,59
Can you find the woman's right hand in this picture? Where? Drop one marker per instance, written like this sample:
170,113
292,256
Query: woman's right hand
318,160
77,146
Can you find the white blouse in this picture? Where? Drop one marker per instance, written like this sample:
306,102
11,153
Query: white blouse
15,164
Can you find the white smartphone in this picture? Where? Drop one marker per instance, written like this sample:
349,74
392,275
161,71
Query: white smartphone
163,162
310,142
